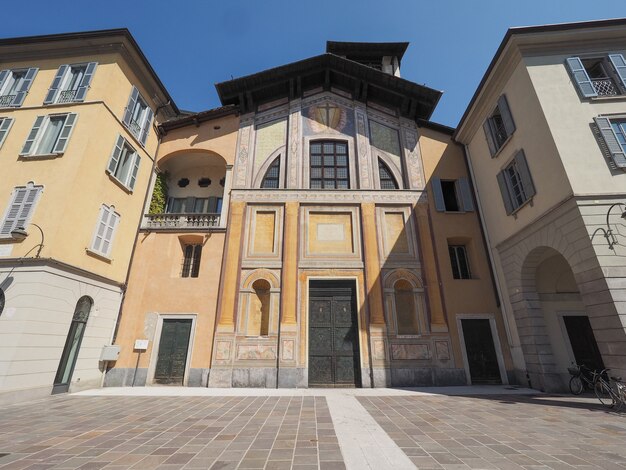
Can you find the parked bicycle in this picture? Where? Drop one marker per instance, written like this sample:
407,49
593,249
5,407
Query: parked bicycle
582,378
611,391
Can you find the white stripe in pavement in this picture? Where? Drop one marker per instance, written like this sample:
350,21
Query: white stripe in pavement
364,444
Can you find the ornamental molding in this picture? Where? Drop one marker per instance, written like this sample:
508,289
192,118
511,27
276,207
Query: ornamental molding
329,196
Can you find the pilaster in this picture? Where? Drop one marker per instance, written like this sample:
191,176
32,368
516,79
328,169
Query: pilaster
290,264
372,264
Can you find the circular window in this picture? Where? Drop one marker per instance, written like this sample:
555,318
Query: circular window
1,301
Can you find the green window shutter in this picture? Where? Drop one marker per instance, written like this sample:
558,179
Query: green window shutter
466,194
5,126
146,126
580,76
32,136
23,91
610,139
489,136
505,112
64,137
435,184
504,191
133,176
128,111
85,82
56,84
524,173
115,156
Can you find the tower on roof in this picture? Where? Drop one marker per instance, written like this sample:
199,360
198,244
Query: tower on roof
384,56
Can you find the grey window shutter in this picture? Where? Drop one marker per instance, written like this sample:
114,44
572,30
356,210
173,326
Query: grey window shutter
133,176
524,173
488,134
98,237
23,91
440,205
128,112
85,82
10,218
505,112
115,156
212,205
466,194
504,191
113,221
64,137
5,125
27,206
3,76
56,84
613,145
620,67
146,126
580,76
32,136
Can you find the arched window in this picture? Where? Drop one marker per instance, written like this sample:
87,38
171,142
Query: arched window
259,313
272,175
387,181
329,165
406,309
72,345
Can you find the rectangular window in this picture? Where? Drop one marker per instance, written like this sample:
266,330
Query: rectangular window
106,226
499,126
124,163
191,260
138,116
14,86
459,262
329,165
603,75
452,195
613,132
49,135
71,83
20,209
5,125
448,188
516,185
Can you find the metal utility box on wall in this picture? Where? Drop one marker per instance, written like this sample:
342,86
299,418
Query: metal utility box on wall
110,353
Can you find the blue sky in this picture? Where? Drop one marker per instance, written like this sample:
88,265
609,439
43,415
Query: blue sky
193,44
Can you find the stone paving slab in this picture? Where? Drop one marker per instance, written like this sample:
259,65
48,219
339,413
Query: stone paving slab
502,432
222,433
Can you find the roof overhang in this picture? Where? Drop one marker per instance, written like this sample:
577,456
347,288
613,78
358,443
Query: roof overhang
330,71
195,119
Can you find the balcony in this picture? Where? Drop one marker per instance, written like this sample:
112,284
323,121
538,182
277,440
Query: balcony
605,86
180,221
6,100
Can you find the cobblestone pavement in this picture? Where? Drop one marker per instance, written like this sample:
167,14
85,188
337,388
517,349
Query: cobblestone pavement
312,429
170,432
507,432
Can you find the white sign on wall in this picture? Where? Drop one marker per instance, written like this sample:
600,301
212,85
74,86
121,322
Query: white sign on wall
141,344
6,250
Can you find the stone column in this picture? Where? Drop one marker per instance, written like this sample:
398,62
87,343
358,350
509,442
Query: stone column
372,264
228,183
289,286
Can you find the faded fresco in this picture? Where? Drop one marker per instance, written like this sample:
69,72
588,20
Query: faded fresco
325,118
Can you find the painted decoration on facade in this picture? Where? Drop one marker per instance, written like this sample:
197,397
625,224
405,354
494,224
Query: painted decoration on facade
222,352
443,350
288,349
327,118
255,352
269,137
385,138
410,352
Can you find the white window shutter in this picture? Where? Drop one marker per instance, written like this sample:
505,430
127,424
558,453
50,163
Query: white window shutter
23,91
20,209
105,230
53,91
85,82
580,76
524,173
5,126
466,194
505,112
435,184
32,136
115,156
145,130
133,176
504,191
3,76
64,137
610,139
132,100
489,136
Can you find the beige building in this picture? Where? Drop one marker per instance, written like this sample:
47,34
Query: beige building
77,146
318,230
545,139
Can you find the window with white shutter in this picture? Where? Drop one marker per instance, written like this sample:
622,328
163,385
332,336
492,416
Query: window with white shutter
108,221
124,163
49,135
138,116
14,86
71,83
20,210
5,126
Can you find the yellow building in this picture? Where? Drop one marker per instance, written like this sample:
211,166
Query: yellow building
77,146
319,230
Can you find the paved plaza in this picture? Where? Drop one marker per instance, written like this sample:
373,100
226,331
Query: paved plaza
451,428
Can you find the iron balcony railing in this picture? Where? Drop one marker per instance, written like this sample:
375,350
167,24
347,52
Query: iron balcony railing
180,221
6,100
67,96
135,128
605,87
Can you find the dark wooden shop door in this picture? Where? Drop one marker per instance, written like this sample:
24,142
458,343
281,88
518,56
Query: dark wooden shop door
333,335
172,359
583,341
481,352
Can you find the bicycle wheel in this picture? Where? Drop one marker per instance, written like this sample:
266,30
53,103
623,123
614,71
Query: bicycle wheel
576,385
604,393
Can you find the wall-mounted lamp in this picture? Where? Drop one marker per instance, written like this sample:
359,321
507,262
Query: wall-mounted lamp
608,231
20,233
